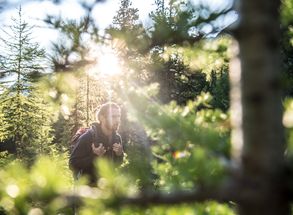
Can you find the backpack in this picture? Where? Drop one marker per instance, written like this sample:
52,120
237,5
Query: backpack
81,131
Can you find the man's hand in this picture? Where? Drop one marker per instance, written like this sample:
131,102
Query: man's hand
98,150
118,149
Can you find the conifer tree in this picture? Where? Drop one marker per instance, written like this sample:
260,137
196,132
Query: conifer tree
127,27
24,118
126,17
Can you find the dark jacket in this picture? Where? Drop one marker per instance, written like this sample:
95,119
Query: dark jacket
82,157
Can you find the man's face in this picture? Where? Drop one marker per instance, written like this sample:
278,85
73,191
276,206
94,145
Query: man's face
112,119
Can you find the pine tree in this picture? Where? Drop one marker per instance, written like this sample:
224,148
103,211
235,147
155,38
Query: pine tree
126,17
127,27
24,116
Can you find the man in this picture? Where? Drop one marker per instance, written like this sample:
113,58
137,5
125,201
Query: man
100,141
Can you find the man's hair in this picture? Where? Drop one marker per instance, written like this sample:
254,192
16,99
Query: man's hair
104,109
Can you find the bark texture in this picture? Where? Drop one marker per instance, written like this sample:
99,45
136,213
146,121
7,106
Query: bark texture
263,139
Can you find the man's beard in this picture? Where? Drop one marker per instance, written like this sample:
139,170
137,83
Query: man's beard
115,127
112,127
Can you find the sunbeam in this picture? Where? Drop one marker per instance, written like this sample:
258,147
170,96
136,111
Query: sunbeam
107,62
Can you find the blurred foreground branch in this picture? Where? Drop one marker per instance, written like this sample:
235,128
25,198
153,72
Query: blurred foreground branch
225,193
222,194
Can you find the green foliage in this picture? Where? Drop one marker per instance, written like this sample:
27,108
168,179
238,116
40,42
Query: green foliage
127,29
219,88
137,163
38,189
126,17
20,56
189,134
286,12
25,118
6,158
62,134
287,46
211,208
168,66
182,22
131,43
177,81
185,72
69,53
186,160
171,23
191,141
206,55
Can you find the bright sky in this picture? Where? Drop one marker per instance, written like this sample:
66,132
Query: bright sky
35,11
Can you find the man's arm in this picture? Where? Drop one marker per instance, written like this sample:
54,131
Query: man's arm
82,155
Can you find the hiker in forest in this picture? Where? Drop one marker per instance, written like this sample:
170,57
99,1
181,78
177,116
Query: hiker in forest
101,140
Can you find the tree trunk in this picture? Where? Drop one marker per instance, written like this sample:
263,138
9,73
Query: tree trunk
263,139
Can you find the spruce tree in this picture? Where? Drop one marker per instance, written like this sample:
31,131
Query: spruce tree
126,17
127,27
24,116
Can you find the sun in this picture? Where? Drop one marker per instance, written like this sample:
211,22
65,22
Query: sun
107,62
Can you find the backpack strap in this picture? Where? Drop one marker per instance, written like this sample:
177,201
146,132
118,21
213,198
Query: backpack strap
94,133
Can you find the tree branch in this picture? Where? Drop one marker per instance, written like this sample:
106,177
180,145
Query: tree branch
221,194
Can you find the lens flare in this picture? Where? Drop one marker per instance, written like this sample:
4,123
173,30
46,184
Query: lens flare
107,61
108,64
